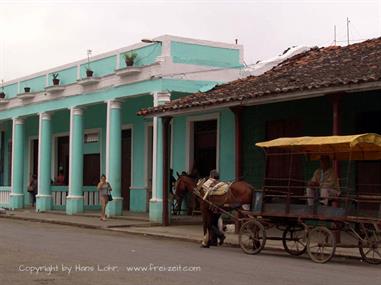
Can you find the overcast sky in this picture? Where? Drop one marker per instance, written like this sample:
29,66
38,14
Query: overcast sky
36,35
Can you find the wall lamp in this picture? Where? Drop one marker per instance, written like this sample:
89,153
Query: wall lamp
149,41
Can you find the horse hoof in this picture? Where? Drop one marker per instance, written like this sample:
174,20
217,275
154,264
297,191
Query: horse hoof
222,240
204,246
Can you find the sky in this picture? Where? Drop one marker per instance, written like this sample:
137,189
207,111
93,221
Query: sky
37,35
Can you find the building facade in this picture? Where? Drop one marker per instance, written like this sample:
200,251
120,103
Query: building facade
320,92
71,133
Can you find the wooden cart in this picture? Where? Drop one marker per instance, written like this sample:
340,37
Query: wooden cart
281,204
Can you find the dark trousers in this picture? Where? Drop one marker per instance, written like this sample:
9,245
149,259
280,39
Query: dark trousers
215,231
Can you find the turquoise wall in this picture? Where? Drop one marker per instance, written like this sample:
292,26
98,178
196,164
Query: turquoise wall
66,76
35,84
10,90
138,192
204,55
315,117
100,67
227,145
145,55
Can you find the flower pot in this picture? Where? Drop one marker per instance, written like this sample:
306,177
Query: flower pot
89,73
2,95
129,62
56,82
26,89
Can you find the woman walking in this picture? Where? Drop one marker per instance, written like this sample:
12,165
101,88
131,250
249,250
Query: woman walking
104,189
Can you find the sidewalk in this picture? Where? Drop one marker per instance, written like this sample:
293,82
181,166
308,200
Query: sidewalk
138,224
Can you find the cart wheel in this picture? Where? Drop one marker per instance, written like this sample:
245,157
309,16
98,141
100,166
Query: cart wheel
321,244
294,240
252,237
370,248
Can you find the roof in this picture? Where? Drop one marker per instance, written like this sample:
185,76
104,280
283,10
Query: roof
313,70
355,147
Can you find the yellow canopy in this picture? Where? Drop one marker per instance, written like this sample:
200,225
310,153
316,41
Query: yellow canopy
354,147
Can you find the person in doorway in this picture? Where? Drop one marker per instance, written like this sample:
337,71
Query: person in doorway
32,189
104,189
325,180
60,179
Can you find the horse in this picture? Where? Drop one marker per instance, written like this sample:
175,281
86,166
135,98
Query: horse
239,193
184,184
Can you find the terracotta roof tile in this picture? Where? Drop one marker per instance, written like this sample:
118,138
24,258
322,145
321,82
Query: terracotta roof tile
311,70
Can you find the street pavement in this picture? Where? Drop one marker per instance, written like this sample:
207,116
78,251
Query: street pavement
109,257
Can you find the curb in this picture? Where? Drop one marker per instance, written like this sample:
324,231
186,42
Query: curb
151,235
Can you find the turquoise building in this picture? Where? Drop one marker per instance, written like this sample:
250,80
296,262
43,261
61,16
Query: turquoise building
68,134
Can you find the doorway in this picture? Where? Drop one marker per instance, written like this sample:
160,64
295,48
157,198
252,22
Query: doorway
91,169
126,167
63,158
34,157
204,147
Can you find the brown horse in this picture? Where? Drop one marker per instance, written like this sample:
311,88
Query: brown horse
239,193
185,184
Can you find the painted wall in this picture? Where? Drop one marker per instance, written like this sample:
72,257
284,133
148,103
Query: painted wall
204,55
66,76
35,84
145,55
11,90
314,114
138,189
101,67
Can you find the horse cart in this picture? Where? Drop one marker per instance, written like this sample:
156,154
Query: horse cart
281,204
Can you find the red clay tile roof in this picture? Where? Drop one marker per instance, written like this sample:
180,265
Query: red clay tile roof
315,69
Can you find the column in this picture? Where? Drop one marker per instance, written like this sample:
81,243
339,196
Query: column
156,202
74,201
114,157
44,197
17,179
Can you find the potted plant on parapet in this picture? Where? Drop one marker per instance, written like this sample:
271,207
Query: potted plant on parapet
56,81
26,89
89,72
129,58
2,93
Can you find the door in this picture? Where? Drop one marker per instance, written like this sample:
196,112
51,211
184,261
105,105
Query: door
126,168
205,146
63,158
34,158
91,169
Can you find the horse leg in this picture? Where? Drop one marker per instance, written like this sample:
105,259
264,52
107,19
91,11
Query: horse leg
178,206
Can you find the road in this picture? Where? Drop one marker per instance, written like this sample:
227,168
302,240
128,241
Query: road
103,257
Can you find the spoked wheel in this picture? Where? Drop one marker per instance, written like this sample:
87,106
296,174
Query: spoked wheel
370,247
294,240
321,244
252,237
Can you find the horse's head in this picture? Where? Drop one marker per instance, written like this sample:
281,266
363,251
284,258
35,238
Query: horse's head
183,185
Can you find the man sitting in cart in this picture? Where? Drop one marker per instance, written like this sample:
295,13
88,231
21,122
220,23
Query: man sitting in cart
326,180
